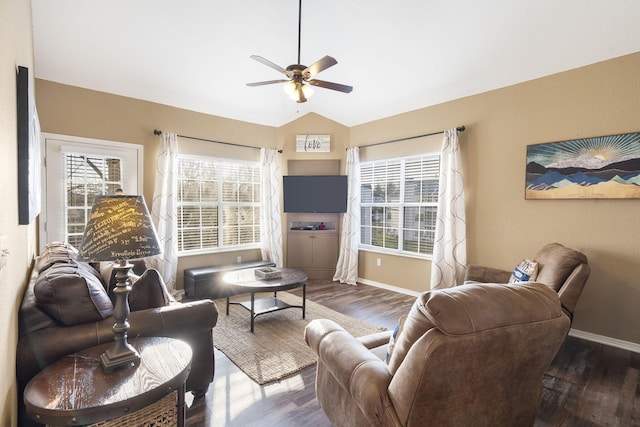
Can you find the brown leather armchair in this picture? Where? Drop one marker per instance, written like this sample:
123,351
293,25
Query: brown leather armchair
51,327
470,355
563,269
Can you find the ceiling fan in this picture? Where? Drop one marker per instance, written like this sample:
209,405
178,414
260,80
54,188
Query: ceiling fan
299,76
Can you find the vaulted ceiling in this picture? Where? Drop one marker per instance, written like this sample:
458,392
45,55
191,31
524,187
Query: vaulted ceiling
398,55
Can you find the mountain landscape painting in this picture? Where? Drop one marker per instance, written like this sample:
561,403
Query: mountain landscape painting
604,167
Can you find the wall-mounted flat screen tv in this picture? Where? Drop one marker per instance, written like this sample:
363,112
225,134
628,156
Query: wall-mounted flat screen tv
315,193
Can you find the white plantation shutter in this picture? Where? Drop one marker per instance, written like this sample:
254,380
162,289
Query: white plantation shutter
398,203
421,197
86,176
218,203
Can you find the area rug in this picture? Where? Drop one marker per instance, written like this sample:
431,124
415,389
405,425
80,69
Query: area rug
276,349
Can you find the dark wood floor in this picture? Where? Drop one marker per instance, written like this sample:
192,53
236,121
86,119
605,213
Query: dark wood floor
588,384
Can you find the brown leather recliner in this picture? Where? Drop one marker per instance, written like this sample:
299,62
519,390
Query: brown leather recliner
563,269
470,355
65,309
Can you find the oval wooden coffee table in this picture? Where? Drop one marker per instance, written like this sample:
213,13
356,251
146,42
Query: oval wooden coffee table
245,281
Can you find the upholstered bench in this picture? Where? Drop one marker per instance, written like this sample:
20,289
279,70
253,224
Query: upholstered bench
206,282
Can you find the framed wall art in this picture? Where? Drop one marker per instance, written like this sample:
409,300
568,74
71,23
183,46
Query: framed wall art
604,167
28,127
313,143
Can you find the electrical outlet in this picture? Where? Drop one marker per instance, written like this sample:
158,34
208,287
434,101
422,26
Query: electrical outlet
238,259
378,262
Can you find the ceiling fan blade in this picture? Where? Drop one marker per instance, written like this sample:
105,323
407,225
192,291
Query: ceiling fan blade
271,64
319,65
330,85
268,82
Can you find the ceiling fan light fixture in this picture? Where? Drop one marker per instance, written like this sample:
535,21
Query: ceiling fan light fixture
293,89
300,76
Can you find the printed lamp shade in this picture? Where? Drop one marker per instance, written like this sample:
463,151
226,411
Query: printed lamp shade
119,228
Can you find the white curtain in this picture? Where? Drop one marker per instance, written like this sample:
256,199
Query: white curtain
163,211
347,267
270,219
450,246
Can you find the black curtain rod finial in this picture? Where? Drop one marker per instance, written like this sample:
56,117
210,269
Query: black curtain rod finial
157,132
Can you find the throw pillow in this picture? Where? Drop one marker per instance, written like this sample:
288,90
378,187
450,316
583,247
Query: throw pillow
148,291
72,293
526,271
108,277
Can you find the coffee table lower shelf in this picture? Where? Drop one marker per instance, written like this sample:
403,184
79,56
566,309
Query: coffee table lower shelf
266,305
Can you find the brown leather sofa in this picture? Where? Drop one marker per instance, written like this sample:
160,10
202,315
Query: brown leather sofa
471,355
66,308
563,269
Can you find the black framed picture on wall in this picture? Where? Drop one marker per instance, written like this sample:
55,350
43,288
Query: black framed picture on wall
28,134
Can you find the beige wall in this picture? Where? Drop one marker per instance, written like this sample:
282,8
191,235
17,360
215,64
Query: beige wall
16,48
70,110
502,227
601,99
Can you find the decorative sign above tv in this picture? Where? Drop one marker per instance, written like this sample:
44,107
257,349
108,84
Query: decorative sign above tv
315,193
313,143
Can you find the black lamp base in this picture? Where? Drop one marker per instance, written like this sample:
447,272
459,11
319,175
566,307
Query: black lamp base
111,360
121,354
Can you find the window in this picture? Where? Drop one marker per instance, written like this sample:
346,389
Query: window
399,201
218,204
77,170
87,176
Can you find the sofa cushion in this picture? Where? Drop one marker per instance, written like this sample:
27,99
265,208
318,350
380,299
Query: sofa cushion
525,271
72,293
55,252
31,318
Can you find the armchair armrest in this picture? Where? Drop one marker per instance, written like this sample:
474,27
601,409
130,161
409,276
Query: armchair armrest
376,339
358,371
477,273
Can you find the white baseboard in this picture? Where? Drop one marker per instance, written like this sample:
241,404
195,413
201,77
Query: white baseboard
600,339
388,287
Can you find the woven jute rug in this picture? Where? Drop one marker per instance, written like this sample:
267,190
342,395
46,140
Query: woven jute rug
276,349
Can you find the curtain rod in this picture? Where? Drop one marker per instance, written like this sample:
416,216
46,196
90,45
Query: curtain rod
459,129
159,132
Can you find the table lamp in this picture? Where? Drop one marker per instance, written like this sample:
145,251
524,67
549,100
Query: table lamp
119,228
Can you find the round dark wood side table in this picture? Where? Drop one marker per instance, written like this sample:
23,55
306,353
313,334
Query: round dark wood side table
76,391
